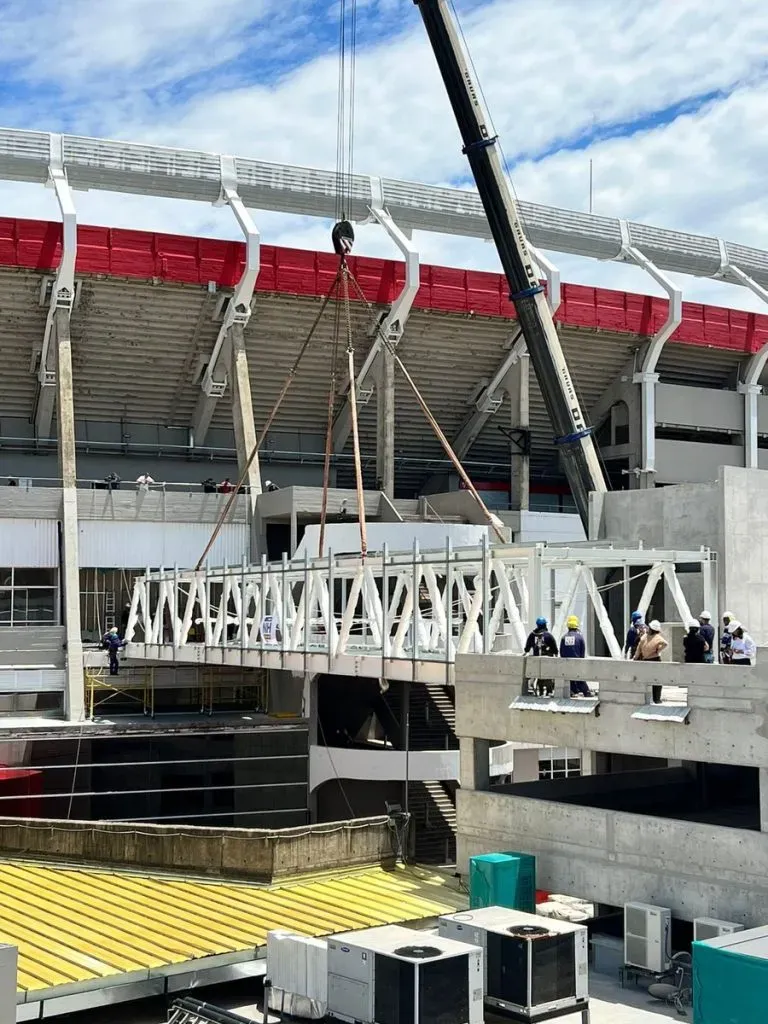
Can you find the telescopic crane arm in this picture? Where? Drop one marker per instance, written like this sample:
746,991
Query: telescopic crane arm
573,436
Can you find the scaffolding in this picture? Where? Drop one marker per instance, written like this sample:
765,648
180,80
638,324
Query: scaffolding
135,683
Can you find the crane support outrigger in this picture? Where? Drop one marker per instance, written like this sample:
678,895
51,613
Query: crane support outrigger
573,435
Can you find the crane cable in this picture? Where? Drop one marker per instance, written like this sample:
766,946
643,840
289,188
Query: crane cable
269,421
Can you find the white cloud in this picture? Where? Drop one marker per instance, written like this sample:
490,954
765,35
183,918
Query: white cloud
568,72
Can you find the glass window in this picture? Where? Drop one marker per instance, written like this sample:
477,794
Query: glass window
27,596
34,577
5,607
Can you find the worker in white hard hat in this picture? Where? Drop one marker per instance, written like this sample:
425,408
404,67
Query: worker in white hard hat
649,648
695,647
743,648
726,638
707,630
572,645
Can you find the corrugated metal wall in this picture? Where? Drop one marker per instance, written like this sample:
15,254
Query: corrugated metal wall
31,543
116,544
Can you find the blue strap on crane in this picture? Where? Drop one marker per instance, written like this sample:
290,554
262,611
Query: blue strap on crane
576,436
526,293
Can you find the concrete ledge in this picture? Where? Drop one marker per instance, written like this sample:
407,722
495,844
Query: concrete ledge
260,854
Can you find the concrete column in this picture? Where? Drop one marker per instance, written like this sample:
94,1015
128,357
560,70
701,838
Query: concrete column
518,388
242,412
69,570
294,541
763,778
385,415
474,763
525,765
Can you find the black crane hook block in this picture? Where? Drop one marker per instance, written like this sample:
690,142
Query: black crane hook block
343,238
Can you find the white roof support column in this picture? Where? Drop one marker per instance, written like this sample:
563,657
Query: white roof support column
62,292
391,326
750,387
491,398
647,377
215,378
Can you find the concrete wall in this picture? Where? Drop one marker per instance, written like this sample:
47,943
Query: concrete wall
614,857
261,854
706,408
727,723
344,538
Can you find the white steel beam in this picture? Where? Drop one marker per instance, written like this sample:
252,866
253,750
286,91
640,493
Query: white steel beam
647,377
750,387
491,398
215,379
392,324
188,174
62,291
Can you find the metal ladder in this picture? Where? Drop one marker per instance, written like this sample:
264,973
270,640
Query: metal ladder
109,610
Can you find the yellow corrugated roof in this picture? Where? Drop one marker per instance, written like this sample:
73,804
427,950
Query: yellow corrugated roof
77,927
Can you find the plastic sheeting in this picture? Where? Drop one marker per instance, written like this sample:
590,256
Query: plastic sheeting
729,987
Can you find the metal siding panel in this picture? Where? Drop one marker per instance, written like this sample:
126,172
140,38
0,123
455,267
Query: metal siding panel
113,545
29,543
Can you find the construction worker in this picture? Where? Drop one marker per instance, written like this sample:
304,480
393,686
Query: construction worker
695,647
707,630
113,642
649,648
743,648
541,644
635,631
572,645
726,638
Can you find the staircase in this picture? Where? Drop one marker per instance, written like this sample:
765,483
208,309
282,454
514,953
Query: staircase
433,717
433,821
414,510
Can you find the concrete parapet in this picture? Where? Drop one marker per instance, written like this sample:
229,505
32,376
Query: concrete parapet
261,854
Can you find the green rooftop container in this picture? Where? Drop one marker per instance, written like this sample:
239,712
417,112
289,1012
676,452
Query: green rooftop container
503,880
730,979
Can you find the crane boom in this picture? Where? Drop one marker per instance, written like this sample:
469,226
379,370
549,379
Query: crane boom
573,436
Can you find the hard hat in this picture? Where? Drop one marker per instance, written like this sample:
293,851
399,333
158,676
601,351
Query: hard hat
637,616
572,622
654,625
113,630
705,615
693,624
541,623
728,615
733,626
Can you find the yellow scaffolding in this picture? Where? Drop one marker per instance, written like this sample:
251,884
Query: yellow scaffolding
134,682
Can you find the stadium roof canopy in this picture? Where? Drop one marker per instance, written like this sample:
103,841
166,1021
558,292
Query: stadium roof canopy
148,311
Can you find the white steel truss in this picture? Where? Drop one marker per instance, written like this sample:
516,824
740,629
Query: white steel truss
392,616
189,174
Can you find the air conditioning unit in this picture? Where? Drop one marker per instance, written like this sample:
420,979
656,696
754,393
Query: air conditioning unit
647,936
709,928
393,974
297,968
533,965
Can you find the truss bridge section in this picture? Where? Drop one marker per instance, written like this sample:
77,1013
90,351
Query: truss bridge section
400,615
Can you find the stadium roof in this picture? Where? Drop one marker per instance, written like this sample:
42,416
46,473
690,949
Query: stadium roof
145,322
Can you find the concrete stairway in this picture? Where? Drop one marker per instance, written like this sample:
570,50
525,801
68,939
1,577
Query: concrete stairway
413,510
433,819
433,718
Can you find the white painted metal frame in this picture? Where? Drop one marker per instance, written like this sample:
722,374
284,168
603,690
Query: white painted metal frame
392,326
188,174
750,387
214,381
63,290
394,616
647,377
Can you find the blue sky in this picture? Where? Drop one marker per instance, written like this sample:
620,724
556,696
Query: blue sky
666,97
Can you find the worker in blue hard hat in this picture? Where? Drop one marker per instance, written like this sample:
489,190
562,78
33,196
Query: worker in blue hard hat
635,631
541,644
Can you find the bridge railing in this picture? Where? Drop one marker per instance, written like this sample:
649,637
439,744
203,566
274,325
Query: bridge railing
380,615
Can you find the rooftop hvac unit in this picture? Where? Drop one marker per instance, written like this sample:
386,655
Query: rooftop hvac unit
533,965
709,928
297,967
393,975
647,936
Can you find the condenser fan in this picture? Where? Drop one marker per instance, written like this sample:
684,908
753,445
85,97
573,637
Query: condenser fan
418,952
528,931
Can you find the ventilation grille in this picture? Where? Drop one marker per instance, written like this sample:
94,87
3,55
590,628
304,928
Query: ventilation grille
418,952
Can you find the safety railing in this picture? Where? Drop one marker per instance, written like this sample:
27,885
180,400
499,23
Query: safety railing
400,615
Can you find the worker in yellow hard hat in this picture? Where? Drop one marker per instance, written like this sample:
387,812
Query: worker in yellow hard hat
572,645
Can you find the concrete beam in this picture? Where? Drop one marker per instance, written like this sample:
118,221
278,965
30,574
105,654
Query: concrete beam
518,387
242,415
69,569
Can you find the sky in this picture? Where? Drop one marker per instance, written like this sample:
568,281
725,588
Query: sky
667,98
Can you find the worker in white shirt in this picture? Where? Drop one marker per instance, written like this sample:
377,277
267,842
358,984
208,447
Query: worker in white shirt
144,481
743,648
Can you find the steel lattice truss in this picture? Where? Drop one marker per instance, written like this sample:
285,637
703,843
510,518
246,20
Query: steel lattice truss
188,174
400,616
